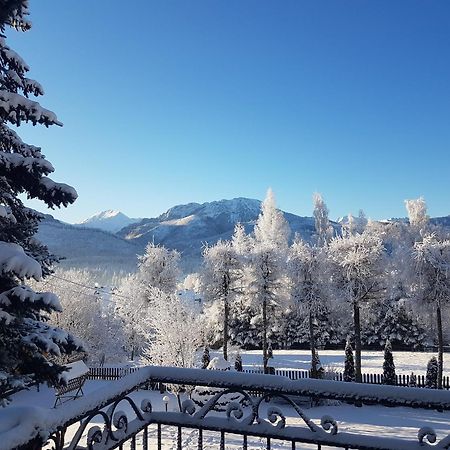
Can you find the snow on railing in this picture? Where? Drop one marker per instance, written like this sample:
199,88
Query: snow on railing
30,426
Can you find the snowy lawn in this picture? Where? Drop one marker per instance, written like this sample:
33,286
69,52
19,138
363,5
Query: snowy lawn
372,361
371,420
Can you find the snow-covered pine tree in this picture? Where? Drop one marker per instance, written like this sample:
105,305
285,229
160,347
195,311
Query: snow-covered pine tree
238,363
397,323
389,376
205,358
431,380
412,380
26,341
358,272
349,365
317,371
269,263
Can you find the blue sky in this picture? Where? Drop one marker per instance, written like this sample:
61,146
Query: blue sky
173,101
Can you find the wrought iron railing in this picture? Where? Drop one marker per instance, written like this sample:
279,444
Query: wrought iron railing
110,417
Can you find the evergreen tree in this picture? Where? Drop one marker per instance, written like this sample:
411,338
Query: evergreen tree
205,358
412,380
270,351
431,380
27,343
389,376
238,363
317,370
349,366
397,323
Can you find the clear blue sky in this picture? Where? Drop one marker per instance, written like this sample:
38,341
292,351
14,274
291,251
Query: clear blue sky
173,101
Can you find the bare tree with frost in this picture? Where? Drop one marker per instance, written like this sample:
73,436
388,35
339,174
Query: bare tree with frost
222,271
358,274
159,267
306,268
176,334
88,312
26,340
432,257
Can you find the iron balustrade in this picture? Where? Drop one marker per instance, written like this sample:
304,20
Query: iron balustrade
261,417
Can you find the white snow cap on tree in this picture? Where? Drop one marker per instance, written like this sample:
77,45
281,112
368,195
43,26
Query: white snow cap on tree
324,231
417,212
158,267
271,227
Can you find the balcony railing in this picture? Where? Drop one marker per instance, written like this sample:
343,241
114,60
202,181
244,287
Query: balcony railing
110,416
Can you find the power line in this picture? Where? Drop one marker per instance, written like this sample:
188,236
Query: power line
99,290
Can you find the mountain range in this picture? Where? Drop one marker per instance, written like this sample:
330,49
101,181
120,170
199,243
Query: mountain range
101,241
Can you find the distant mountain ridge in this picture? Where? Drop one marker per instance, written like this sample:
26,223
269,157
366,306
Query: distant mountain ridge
186,228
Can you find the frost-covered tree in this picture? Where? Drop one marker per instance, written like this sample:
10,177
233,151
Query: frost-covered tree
389,376
159,268
433,282
175,334
432,377
358,270
26,340
268,263
89,313
349,364
324,231
306,268
417,213
134,309
221,273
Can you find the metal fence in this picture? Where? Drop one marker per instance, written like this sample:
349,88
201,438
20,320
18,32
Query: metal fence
113,417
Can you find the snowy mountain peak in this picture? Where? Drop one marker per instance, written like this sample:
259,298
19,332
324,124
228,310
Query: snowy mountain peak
110,220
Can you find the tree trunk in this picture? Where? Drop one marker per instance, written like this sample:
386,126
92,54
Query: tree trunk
357,326
312,344
225,330
440,347
264,336
179,402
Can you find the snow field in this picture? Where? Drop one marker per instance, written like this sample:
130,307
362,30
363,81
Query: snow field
372,361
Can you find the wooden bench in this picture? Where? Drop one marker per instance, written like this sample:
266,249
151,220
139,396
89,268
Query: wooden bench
75,376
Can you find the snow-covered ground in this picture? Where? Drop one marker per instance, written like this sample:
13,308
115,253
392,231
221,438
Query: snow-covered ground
371,420
372,361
